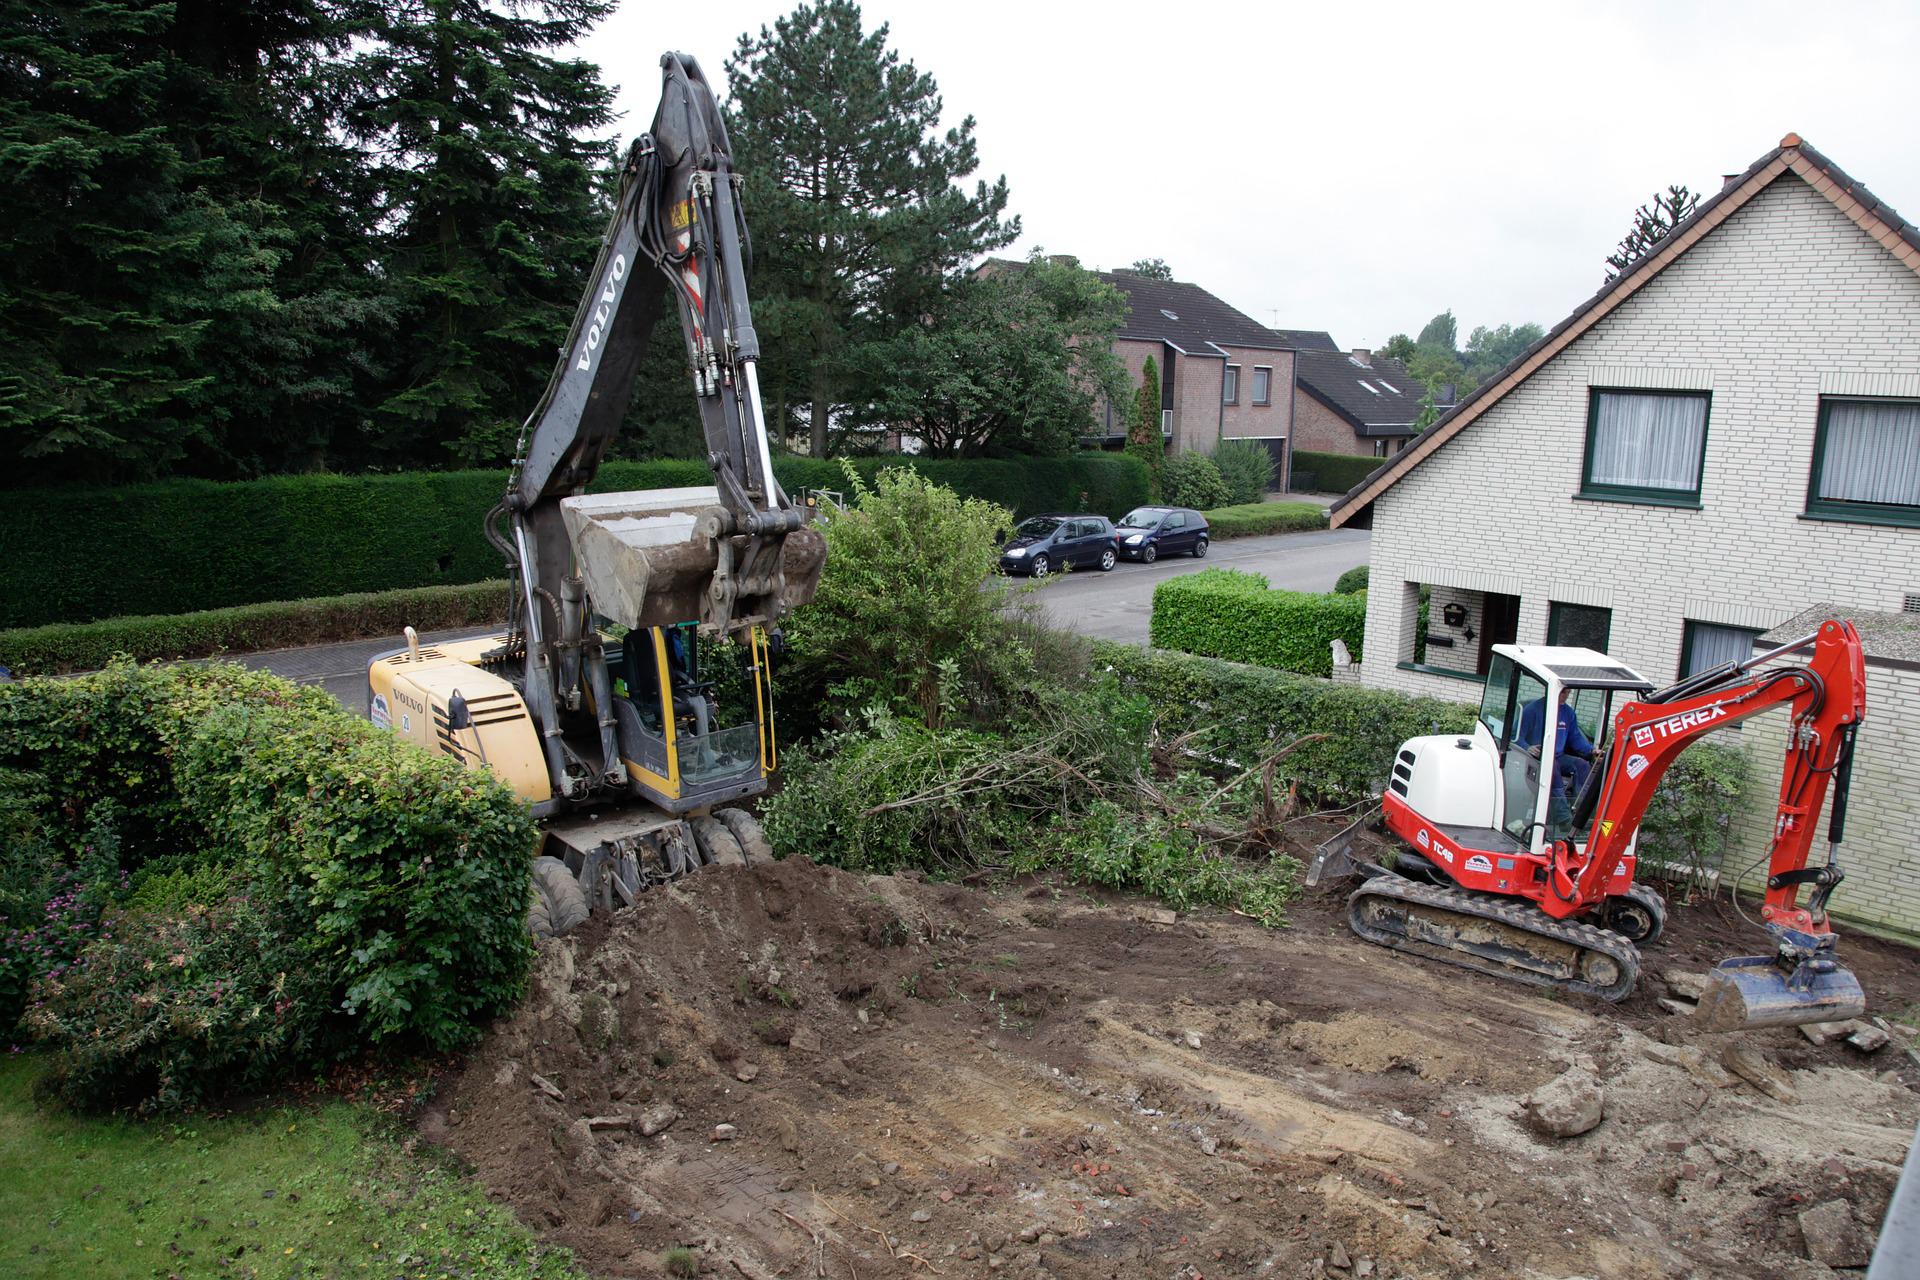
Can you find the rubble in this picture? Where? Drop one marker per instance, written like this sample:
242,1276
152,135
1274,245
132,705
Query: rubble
1759,1071
1567,1106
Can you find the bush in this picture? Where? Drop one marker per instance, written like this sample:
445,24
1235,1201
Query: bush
1334,472
1689,821
85,646
1190,479
188,545
1352,582
1224,613
1246,467
1265,517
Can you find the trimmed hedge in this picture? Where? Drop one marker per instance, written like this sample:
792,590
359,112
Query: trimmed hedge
385,889
87,646
1227,613
76,555
1334,472
1265,517
1352,581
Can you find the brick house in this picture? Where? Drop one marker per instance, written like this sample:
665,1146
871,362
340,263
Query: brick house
1720,443
1353,402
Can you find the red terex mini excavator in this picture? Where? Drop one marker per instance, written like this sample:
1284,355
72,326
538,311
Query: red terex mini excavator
1512,872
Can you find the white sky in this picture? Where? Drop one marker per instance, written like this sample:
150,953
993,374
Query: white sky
1358,168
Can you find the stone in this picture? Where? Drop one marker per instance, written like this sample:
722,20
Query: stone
921,1215
1759,1071
1160,915
1679,1008
746,1072
1665,1054
1193,1039
725,1133
1209,1145
601,1123
1868,1039
657,1119
1566,1106
1833,1237
546,1086
805,1039
1686,986
1339,1258
1823,1033
1364,1267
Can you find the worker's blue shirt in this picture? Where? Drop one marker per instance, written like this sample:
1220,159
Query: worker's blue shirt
1533,718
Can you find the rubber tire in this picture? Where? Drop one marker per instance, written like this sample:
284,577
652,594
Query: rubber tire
1200,548
1149,553
1037,567
559,903
717,846
748,832
1107,559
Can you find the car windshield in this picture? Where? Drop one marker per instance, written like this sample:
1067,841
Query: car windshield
1143,518
1036,527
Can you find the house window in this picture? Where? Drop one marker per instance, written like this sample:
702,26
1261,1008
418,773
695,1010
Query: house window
1230,385
1866,462
1262,384
1645,446
1579,625
1704,645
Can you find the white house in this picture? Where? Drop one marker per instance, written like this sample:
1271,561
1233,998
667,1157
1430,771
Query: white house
1720,440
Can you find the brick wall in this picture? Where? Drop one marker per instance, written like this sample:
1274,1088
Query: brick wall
1784,301
1267,421
1318,429
1196,402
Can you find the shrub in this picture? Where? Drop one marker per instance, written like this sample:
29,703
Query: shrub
1246,468
1265,517
1191,480
1333,472
1689,821
1352,582
1223,613
62,647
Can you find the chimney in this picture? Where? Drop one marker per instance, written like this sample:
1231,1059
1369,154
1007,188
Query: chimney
1363,356
1728,179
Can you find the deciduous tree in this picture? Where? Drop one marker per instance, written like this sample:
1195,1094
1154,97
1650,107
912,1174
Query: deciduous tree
1653,222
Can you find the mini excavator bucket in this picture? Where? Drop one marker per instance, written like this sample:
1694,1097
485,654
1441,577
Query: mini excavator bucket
659,557
1757,991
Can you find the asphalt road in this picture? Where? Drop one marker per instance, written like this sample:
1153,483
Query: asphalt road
1110,606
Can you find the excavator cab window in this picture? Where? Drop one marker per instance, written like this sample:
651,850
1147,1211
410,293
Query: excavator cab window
1521,768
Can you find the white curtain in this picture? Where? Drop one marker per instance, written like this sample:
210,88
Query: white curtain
1714,645
1872,453
1648,442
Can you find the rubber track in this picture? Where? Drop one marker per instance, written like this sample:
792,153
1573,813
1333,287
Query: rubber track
1516,915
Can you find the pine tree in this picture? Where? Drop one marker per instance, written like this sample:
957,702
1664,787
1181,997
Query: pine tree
493,187
852,191
1144,438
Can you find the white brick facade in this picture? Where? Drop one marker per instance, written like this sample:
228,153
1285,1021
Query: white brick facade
1786,300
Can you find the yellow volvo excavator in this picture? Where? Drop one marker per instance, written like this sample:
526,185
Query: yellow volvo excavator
629,700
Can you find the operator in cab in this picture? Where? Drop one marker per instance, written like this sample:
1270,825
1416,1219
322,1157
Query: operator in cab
1572,752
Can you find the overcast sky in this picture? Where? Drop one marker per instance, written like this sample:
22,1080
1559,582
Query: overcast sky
1358,169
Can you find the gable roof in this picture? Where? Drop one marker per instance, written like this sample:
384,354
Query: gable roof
1309,339
1187,316
1793,155
1381,399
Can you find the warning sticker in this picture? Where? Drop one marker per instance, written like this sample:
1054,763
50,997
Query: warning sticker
380,713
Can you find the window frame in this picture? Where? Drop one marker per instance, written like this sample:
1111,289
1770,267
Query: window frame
1645,494
1554,616
1230,385
1688,629
1259,369
1843,509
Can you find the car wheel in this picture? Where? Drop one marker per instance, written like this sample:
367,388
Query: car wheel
1200,549
1038,566
1106,560
1149,553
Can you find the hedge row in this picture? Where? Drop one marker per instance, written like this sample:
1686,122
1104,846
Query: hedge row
86,646
373,894
1231,614
1332,472
1265,517
76,555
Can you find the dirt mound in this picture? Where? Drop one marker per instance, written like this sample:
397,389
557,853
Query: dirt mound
795,1072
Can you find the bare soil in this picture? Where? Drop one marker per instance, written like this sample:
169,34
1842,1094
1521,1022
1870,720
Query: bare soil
926,1079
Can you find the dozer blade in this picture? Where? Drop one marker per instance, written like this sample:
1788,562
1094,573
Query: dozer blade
1754,991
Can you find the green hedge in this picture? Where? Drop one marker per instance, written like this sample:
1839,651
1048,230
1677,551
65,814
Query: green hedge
1231,614
76,555
1265,517
1334,472
385,888
86,646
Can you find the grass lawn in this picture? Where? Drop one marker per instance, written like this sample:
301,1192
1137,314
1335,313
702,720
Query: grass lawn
316,1191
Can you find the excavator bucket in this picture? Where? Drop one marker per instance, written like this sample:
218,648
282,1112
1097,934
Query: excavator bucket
1755,991
646,562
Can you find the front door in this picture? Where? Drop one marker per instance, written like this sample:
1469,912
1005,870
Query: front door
1499,624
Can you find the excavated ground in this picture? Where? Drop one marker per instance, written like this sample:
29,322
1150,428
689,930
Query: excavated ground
930,1079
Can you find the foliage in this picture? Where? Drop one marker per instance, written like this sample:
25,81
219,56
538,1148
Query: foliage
1352,582
1653,222
1491,350
1191,480
1145,440
1333,472
1231,614
63,647
859,219
1689,821
1440,333
1435,360
1152,268
1004,360
1247,468
203,545
307,1189
1260,518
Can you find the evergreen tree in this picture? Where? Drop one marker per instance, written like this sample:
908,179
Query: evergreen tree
492,179
852,191
1144,439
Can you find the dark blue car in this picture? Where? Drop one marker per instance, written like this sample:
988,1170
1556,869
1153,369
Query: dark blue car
1046,543
1147,533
